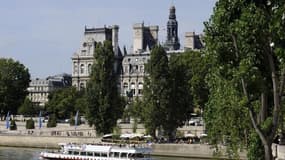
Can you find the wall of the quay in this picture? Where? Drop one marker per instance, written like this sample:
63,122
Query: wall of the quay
42,141
189,150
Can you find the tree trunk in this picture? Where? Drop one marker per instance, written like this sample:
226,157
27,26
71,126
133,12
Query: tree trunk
263,109
268,151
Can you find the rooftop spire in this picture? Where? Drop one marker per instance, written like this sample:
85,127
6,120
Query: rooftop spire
172,12
172,42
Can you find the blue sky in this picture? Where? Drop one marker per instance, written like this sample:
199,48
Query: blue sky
44,34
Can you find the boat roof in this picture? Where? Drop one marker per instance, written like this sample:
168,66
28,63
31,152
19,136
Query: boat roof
131,150
98,148
109,148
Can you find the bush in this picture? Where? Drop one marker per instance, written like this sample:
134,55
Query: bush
13,125
255,148
51,121
30,124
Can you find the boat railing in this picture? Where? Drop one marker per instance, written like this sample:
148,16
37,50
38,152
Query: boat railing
126,145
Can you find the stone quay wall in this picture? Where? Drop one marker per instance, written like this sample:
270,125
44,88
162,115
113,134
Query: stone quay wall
49,142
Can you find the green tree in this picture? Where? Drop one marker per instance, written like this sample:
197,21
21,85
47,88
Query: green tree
30,124
65,101
51,121
197,65
27,108
156,92
14,81
105,106
13,125
245,41
180,98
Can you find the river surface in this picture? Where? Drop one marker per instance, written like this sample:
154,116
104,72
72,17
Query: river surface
11,153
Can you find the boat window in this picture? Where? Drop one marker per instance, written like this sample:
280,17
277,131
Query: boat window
96,154
111,154
138,155
76,153
90,153
83,153
123,155
103,154
116,154
69,152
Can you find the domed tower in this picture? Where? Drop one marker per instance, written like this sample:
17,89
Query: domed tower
172,41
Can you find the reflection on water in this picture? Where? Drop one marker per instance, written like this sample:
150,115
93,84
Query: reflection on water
174,158
11,153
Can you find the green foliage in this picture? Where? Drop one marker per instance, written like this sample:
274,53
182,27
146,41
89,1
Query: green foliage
156,92
223,115
196,67
14,81
255,148
30,124
13,125
51,121
172,89
65,101
105,106
245,43
28,108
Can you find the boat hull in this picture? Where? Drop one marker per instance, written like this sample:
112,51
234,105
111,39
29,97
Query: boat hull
58,156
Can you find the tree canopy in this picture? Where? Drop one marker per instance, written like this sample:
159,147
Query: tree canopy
245,42
66,102
156,93
105,106
14,81
28,108
167,91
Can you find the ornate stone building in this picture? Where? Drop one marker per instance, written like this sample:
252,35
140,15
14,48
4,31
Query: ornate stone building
131,65
39,89
83,59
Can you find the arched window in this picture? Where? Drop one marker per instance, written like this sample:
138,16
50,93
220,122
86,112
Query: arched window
89,68
82,68
81,86
125,88
133,88
140,88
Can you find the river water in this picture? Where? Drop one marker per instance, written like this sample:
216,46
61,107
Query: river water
10,153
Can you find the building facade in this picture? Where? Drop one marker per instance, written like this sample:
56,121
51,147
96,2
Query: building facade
83,59
132,64
39,89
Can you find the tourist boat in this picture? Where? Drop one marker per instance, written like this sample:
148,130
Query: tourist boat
100,152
